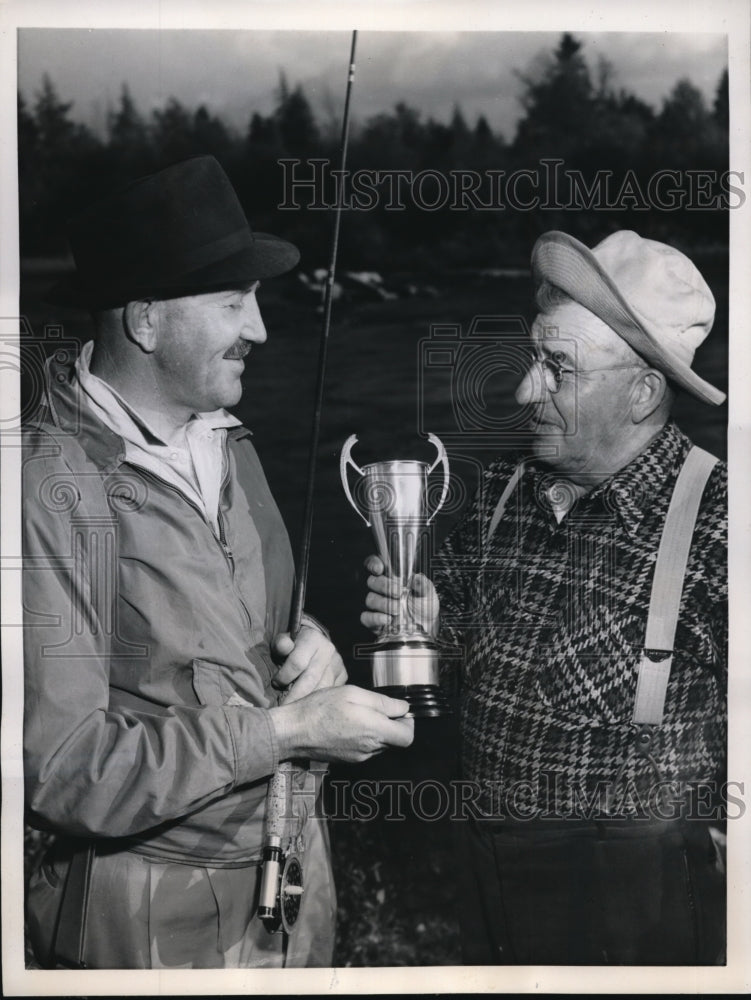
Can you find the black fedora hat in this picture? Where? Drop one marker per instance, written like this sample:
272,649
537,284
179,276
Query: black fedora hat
180,231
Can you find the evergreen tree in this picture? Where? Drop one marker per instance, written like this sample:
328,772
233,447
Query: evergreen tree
172,132
130,149
440,150
262,131
397,140
459,126
686,134
29,181
408,126
55,130
210,134
684,112
721,105
295,121
558,100
63,173
28,135
126,128
483,133
487,147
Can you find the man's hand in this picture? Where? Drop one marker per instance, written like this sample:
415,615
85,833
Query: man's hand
382,599
311,662
341,724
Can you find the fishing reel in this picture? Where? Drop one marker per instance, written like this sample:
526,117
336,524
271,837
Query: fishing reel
282,889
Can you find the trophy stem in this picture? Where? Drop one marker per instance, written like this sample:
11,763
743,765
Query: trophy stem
403,620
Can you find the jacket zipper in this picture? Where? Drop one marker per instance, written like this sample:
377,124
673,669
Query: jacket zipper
224,544
223,535
220,518
222,540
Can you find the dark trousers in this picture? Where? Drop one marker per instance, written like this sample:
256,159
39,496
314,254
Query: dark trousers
590,894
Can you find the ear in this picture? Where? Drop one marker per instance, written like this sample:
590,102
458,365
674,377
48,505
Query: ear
140,322
648,393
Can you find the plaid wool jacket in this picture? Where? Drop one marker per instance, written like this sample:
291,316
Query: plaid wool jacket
550,621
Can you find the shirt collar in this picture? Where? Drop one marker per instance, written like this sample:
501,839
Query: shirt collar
123,418
630,491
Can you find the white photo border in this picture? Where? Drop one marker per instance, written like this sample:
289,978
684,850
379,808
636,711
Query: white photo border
732,17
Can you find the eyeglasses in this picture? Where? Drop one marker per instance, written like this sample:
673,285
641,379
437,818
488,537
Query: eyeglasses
553,371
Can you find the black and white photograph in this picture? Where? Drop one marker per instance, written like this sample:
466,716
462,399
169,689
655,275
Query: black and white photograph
375,482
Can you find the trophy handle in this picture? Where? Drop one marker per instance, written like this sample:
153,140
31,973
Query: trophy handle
344,459
442,459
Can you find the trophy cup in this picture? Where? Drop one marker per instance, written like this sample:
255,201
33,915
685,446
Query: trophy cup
394,500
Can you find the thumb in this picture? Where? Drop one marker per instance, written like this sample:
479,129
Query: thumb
283,644
394,708
374,565
421,585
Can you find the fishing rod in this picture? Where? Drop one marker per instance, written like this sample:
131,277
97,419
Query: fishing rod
281,878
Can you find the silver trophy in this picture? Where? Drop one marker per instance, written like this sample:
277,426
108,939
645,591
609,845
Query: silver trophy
393,502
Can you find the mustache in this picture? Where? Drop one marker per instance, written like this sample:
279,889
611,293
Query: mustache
238,351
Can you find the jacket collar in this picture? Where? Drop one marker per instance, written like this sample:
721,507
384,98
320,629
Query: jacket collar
66,408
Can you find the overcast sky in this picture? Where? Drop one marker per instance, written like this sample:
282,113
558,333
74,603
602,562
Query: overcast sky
237,72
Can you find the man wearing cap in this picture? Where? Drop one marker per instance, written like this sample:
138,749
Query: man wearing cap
157,592
587,590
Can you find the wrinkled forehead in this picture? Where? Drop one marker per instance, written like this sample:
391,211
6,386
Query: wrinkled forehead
575,332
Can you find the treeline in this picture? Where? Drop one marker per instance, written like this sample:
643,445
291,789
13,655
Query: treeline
423,195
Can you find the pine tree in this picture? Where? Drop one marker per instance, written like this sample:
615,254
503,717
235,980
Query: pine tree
558,99
295,121
55,130
721,105
172,132
126,128
210,134
28,135
684,112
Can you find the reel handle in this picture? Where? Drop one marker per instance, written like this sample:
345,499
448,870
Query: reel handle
277,800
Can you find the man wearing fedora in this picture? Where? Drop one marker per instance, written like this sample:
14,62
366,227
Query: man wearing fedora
587,589
157,591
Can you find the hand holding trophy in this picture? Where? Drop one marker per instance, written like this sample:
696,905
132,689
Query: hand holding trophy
392,498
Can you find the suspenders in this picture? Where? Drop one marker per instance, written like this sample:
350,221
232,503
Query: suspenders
667,582
511,485
667,587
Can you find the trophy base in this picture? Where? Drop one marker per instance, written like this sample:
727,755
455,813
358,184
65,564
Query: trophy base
407,667
426,700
